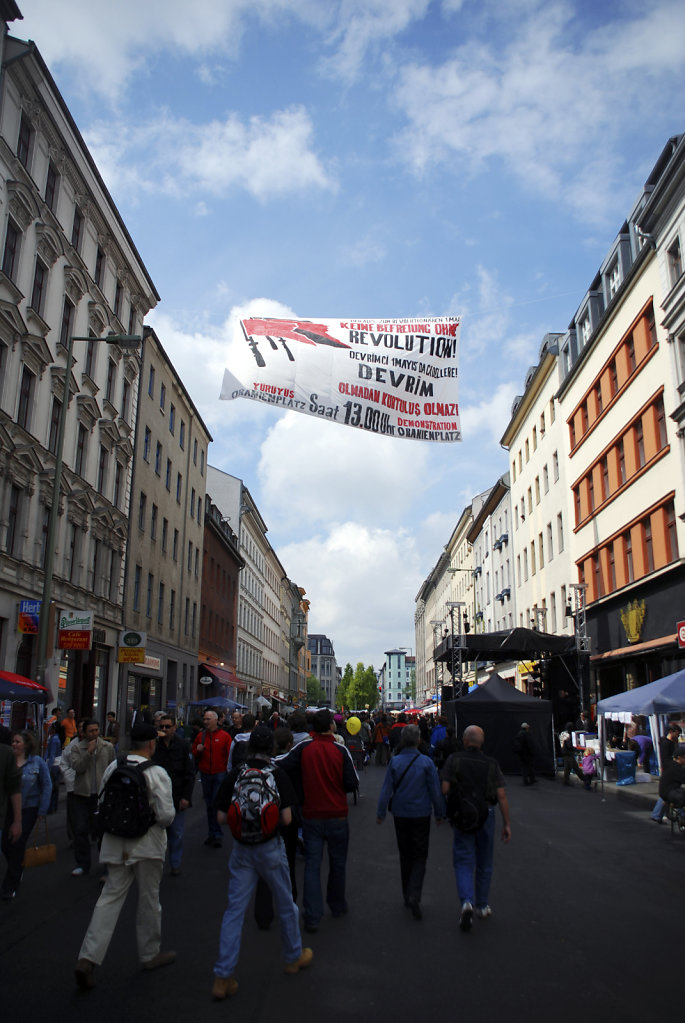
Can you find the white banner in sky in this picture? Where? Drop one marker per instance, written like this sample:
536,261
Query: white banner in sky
397,378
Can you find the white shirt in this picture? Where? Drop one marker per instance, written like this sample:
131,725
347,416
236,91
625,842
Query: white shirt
151,845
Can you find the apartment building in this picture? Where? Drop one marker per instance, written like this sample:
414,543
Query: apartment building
324,665
70,278
166,538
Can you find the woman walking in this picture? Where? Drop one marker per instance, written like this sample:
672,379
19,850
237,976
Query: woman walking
36,790
411,787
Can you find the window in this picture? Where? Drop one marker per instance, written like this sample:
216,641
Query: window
66,327
598,398
527,447
51,186
174,548
81,449
168,474
118,471
77,229
611,566
537,490
621,458
182,436
102,470
197,562
162,397
136,588
192,503
89,365
585,330
147,443
172,418
111,381
179,487
165,533
202,462
555,467
186,618
172,610
74,543
675,262
158,459
153,522
126,399
25,398
24,141
199,511
604,468
190,556
550,542
10,256
560,532
671,533
648,545
613,377
148,597
640,443
590,492
535,438
142,504
628,556
12,542
40,283
54,425
99,266
545,479
661,423
614,279
630,353
132,319
118,291
151,382
195,452
541,553
160,604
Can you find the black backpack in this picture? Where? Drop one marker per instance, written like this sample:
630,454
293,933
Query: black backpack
124,807
472,792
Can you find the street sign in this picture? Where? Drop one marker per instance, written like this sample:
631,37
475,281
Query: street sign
132,647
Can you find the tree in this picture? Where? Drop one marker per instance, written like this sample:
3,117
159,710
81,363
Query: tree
342,696
358,689
316,694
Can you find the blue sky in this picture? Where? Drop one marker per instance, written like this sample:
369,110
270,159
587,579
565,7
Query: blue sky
364,158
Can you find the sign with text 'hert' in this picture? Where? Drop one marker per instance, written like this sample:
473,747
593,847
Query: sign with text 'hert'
392,377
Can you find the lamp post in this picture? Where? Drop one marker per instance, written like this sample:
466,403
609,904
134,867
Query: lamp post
437,625
577,612
124,341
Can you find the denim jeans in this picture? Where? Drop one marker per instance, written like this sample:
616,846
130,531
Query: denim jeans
267,860
316,834
659,810
211,783
174,834
473,854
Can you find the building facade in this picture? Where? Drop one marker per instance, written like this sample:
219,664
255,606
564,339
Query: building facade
165,542
324,665
70,278
221,567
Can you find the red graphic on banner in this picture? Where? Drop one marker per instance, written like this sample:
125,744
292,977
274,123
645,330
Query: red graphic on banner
295,330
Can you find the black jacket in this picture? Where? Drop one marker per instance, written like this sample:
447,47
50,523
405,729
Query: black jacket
177,761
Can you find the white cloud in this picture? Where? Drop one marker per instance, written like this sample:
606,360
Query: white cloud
542,102
361,582
265,157
312,472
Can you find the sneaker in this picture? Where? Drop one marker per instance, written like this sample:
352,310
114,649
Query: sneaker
483,912
7,895
305,959
78,872
466,918
161,959
223,987
85,974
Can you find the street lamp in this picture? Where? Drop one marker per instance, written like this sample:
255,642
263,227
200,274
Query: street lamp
123,341
577,612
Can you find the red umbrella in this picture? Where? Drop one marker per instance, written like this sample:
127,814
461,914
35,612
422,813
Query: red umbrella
17,687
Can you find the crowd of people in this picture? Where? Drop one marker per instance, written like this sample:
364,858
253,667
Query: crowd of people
280,787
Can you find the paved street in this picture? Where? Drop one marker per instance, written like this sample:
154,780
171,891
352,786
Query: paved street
586,902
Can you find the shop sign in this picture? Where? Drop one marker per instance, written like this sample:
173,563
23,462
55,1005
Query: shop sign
132,647
681,634
75,630
28,616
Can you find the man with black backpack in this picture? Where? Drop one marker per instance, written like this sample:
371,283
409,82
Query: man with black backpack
134,810
473,784
254,799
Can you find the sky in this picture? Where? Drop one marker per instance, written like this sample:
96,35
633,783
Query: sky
367,159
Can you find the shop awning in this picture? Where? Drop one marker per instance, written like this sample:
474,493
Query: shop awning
643,648
21,689
224,676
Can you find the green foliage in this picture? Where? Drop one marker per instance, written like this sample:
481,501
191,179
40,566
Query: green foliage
316,694
358,688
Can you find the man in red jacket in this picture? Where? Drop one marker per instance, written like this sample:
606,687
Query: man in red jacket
210,750
324,773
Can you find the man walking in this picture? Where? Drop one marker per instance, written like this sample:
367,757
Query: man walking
324,772
90,758
258,853
210,750
174,754
470,777
138,858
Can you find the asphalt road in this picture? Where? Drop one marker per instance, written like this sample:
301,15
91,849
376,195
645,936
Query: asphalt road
587,909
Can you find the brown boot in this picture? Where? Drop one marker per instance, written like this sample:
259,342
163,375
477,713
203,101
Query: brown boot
305,959
161,959
222,987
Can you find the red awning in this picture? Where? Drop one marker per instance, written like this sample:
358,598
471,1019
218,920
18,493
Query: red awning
19,688
222,675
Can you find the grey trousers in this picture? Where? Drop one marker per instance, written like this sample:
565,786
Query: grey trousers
147,874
